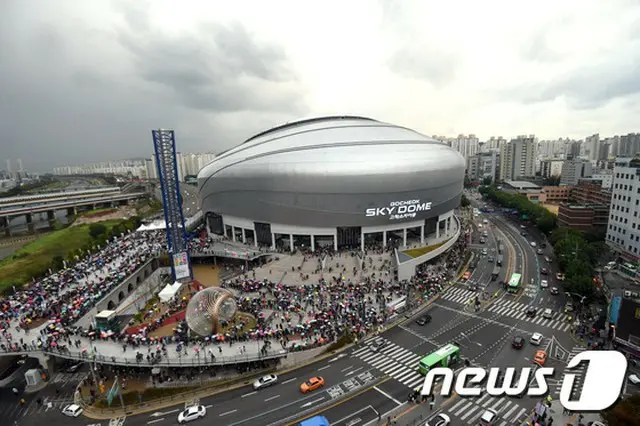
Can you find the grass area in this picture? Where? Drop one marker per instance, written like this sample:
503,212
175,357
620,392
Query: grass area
249,320
148,207
97,212
34,259
420,251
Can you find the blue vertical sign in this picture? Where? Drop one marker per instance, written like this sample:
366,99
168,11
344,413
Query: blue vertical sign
614,311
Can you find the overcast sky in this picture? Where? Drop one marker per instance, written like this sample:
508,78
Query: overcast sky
84,81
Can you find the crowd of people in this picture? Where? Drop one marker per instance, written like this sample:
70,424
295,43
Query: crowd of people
299,316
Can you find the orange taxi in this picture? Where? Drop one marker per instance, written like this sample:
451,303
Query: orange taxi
312,384
466,275
540,358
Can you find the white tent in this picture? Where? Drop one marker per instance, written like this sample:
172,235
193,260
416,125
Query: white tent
169,291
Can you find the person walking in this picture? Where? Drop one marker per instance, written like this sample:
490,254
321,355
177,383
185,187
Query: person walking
432,402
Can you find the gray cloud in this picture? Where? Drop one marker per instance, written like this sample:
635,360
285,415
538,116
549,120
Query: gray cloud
588,87
434,66
71,94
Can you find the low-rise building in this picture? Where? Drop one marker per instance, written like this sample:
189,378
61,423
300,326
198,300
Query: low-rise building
556,194
533,192
590,191
585,217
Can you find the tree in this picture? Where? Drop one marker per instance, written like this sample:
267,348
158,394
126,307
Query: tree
96,230
487,180
552,181
464,201
625,412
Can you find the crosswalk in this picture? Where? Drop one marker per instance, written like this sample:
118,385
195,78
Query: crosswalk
468,410
458,295
394,361
579,371
530,290
68,378
510,308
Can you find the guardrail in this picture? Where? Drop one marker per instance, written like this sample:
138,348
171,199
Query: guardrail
203,360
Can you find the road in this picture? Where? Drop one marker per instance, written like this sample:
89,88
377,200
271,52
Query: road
361,383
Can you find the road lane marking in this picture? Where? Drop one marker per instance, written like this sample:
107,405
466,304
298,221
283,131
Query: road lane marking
354,371
289,381
387,395
345,369
150,422
228,412
208,406
358,420
324,368
249,394
271,398
310,403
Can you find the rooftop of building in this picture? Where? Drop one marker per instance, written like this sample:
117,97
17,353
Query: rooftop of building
522,184
575,206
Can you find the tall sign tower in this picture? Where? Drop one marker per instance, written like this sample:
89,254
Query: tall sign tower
164,144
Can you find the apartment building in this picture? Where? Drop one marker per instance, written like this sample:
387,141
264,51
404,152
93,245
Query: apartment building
483,165
623,232
518,158
574,170
549,168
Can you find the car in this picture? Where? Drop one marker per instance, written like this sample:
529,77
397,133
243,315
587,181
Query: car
540,251
544,271
533,244
192,413
517,342
531,311
548,313
548,259
524,234
265,381
540,358
560,276
377,344
633,378
568,307
522,227
466,275
423,320
544,284
490,259
312,384
439,420
485,251
485,221
554,291
536,339
488,417
482,241
72,410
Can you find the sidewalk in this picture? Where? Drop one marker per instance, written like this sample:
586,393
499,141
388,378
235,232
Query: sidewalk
561,418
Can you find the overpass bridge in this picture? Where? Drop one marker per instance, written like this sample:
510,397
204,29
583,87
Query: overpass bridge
71,206
52,197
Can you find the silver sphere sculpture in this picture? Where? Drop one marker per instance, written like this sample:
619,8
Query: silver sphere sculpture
208,307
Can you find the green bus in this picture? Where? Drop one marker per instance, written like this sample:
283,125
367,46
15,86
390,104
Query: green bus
514,283
443,357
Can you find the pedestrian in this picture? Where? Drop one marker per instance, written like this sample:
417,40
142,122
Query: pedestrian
15,391
432,402
22,401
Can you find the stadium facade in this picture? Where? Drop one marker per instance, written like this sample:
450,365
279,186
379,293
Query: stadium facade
333,181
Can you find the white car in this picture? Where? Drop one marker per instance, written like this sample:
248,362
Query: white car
544,284
265,381
439,420
533,244
192,413
536,339
548,314
73,410
633,378
488,417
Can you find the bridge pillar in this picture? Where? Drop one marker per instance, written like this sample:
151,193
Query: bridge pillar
71,211
30,226
244,236
4,222
51,215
